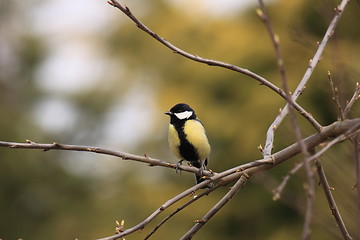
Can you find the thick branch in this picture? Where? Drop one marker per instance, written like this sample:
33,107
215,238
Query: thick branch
338,130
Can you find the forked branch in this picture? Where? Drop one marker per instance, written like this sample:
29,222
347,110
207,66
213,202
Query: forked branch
216,63
269,142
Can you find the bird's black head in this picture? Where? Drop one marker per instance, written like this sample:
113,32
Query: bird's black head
181,112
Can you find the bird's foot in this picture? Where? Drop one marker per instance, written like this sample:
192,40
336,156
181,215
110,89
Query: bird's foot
178,164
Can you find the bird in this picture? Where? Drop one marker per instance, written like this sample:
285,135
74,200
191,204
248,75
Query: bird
187,139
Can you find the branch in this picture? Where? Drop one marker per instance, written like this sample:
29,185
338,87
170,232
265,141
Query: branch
195,198
233,174
337,129
269,143
275,41
332,204
167,204
244,176
124,156
212,62
346,135
228,196
278,190
355,97
335,98
310,190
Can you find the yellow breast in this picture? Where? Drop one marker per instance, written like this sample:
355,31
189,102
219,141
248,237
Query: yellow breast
195,134
174,141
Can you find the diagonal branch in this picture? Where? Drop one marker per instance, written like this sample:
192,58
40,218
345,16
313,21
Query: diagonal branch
228,196
181,208
275,41
332,204
216,63
278,190
355,97
269,143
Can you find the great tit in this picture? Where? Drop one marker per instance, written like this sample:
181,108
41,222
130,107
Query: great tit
187,138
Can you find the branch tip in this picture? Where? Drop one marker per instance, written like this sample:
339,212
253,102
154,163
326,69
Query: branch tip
276,196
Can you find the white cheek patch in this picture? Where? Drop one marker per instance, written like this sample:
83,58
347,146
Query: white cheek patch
183,115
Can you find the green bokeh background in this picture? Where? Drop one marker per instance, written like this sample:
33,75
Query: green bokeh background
68,195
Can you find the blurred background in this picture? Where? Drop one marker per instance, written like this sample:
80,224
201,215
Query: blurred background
80,72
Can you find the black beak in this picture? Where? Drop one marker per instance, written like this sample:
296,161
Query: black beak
168,113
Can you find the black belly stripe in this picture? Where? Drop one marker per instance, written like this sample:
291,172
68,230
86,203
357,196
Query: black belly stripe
186,149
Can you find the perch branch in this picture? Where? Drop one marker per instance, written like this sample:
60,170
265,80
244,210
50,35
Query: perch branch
233,174
125,156
337,129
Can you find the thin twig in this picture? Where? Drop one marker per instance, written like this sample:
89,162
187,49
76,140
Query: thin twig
195,198
269,142
212,62
332,204
335,97
355,97
275,41
278,190
228,196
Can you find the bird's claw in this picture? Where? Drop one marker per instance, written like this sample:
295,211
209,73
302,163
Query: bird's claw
177,168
